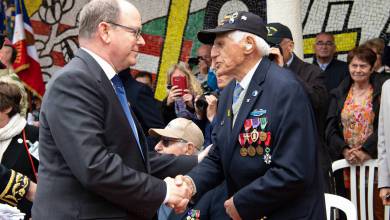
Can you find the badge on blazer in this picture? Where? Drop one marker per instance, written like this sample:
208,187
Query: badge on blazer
193,214
258,112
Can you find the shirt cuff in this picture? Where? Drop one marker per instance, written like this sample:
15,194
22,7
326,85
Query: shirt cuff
166,195
192,184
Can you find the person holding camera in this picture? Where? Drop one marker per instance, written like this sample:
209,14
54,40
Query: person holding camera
182,88
312,79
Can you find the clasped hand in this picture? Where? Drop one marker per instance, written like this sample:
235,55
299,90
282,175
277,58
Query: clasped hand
180,192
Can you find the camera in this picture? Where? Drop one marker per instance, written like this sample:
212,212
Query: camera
201,104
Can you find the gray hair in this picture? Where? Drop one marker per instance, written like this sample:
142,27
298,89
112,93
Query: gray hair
261,45
95,12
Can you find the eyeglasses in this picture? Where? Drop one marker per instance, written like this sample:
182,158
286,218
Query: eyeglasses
327,43
135,31
167,141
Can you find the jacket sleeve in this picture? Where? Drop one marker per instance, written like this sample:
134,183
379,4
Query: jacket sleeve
164,165
384,138
13,186
333,135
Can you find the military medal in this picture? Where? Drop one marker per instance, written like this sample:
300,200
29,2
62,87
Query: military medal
259,150
255,133
243,152
193,214
263,123
263,136
267,157
251,151
242,140
247,124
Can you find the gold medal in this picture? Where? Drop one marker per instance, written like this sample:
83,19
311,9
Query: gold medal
263,136
251,151
243,152
259,150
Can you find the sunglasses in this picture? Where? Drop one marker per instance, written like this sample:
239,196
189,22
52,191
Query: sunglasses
166,141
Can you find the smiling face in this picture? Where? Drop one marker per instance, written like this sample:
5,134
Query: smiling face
360,70
227,56
125,45
324,46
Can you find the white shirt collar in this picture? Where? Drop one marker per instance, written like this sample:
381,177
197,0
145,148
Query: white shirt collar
290,60
244,83
107,68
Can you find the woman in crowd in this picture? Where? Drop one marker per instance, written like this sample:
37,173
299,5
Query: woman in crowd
352,119
18,141
180,103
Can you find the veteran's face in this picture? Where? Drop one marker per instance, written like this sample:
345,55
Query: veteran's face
324,46
126,44
227,56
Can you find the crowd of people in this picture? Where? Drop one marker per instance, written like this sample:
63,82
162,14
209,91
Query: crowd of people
248,130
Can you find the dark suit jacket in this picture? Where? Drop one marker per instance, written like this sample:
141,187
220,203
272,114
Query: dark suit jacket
313,80
16,158
290,187
335,73
90,164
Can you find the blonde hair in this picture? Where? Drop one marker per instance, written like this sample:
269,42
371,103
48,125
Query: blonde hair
193,84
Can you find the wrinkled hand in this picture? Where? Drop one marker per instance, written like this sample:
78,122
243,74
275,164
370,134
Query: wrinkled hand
361,156
187,98
173,94
349,156
179,194
204,153
382,193
231,209
274,51
212,106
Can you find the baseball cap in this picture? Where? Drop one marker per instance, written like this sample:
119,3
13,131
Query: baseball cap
181,128
277,32
240,20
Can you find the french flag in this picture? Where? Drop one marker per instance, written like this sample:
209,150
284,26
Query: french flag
26,64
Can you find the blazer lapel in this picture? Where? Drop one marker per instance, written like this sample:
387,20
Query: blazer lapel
252,95
12,154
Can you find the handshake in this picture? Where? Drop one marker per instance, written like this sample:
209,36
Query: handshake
180,190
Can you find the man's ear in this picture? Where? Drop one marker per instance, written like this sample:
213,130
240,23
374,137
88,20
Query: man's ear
103,32
249,45
190,148
7,110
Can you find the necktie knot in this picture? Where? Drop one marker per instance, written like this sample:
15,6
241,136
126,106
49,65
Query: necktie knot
117,82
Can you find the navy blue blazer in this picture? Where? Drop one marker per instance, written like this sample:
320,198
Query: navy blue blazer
290,186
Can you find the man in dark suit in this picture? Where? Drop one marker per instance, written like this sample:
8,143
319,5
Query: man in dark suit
93,158
325,57
313,81
265,139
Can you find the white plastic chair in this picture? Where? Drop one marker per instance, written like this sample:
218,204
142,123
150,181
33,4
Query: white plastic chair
341,203
370,165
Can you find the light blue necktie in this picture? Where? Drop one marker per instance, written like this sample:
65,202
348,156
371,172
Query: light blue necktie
120,92
236,95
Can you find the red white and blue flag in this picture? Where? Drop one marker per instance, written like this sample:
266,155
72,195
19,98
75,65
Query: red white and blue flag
26,64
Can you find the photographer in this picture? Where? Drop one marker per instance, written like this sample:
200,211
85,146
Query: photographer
312,79
206,107
182,88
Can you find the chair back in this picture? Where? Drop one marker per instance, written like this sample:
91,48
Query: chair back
341,203
364,197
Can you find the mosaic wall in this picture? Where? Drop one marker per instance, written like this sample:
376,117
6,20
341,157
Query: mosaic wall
170,27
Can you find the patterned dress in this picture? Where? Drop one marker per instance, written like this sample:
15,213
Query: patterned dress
357,118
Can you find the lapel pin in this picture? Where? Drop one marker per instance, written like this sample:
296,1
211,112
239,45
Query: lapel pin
20,140
247,100
255,93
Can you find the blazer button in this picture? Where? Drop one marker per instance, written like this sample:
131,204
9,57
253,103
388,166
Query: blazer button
222,122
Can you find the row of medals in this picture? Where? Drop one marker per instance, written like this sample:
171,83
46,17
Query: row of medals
193,214
253,137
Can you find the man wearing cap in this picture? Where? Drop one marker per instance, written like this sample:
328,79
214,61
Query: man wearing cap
183,137
265,139
312,79
7,73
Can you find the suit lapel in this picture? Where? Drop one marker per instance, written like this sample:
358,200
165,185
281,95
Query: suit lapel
108,89
253,93
13,152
